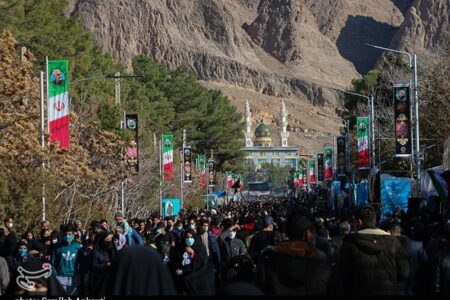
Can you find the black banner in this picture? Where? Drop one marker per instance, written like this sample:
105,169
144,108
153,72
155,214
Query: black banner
402,115
187,164
211,173
320,170
341,158
132,149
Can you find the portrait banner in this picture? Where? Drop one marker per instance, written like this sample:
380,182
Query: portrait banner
312,171
402,115
167,157
328,156
201,167
211,173
132,150
341,158
58,102
187,164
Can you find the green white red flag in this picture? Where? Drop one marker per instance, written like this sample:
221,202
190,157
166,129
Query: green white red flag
58,102
312,171
328,154
363,142
230,180
168,157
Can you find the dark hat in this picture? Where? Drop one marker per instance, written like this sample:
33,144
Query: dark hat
267,220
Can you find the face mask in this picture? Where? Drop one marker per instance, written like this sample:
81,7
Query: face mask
192,226
10,225
232,234
69,238
190,242
23,252
180,227
116,243
159,231
54,241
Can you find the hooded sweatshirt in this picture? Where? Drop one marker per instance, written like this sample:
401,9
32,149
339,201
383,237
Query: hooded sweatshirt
66,260
371,262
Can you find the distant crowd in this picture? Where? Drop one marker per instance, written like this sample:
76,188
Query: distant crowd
271,247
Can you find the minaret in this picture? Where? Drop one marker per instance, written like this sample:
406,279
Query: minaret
248,121
283,132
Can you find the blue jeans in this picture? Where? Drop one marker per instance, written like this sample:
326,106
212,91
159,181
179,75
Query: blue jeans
70,284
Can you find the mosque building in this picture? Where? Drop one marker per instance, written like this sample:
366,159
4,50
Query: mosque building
260,150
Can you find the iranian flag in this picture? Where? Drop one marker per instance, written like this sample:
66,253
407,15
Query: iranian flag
300,178
201,167
58,102
241,181
230,179
328,163
168,157
312,171
296,179
363,142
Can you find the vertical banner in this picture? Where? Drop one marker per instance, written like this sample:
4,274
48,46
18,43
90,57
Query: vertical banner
201,168
58,102
230,180
211,173
170,207
320,170
328,156
312,171
168,157
362,124
301,176
296,175
341,159
132,150
402,115
241,183
187,164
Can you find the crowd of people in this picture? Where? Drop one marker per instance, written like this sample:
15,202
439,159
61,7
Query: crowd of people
271,247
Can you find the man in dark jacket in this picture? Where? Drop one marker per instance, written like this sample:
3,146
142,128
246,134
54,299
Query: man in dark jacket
267,237
441,267
229,245
294,267
371,261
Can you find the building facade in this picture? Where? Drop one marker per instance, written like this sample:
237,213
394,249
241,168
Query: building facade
260,149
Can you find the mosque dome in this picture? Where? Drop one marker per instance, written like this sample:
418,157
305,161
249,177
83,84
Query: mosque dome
263,135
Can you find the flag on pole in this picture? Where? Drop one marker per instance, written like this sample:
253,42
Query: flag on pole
363,142
58,102
328,163
296,176
312,171
241,180
201,167
229,179
301,175
168,157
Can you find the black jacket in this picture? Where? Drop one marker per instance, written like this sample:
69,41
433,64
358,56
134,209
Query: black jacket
371,262
441,273
292,268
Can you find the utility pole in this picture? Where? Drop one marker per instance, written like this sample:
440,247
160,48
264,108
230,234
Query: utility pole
181,168
42,138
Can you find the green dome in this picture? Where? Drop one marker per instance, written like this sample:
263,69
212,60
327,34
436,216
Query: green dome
262,131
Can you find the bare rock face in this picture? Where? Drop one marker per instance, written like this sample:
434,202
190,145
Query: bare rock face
425,29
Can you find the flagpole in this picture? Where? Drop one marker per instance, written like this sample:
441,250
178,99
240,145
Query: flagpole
42,139
160,174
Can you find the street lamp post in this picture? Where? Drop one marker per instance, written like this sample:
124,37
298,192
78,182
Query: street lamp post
413,66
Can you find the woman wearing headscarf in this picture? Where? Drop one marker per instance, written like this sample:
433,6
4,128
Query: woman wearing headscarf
138,271
101,259
31,240
192,265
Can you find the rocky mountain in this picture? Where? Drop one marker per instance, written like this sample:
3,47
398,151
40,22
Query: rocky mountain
263,50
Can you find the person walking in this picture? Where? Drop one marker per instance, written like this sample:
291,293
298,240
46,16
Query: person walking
371,261
101,259
267,237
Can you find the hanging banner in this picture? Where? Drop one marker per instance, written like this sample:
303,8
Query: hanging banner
241,183
168,157
170,207
341,159
58,102
296,176
312,171
320,169
132,150
230,178
301,177
187,164
328,156
362,124
201,165
402,115
211,173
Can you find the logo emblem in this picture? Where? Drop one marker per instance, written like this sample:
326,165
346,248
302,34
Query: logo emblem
69,256
59,106
23,280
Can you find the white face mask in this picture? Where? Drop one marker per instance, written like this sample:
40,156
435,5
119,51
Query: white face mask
54,241
10,225
232,234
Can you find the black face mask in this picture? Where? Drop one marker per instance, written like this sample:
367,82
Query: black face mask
201,231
